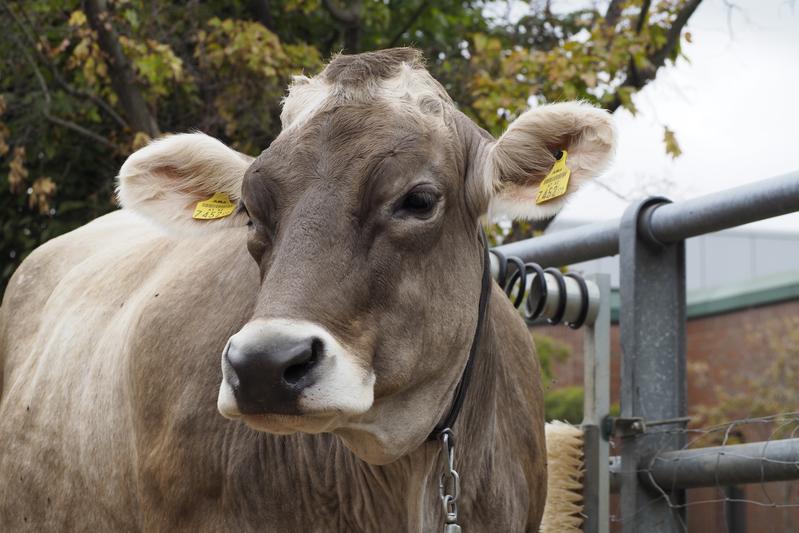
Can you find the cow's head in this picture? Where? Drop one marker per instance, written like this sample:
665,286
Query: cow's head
363,216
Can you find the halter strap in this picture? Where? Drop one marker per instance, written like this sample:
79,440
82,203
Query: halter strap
463,385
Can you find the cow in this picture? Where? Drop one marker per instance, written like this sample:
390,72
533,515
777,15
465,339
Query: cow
280,365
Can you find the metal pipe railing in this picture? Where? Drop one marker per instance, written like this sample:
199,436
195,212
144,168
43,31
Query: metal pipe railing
718,466
667,223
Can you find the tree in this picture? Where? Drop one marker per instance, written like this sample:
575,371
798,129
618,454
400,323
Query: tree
768,391
84,83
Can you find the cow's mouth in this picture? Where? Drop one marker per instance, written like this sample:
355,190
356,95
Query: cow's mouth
287,424
303,418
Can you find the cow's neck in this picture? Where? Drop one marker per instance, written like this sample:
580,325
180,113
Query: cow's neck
323,478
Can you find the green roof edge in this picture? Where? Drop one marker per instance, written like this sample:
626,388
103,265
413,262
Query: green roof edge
735,297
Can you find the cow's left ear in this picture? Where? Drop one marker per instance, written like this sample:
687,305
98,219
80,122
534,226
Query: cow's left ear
188,183
517,163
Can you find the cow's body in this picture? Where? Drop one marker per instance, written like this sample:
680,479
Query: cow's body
111,338
340,294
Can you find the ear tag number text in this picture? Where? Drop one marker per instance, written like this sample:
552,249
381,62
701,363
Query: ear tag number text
555,183
217,206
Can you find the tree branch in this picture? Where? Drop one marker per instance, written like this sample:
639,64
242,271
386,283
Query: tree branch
263,13
642,16
409,23
658,59
350,19
80,129
48,102
632,69
613,13
347,17
56,74
123,78
638,78
609,189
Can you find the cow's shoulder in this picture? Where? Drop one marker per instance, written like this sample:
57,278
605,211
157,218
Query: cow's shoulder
34,281
46,265
123,315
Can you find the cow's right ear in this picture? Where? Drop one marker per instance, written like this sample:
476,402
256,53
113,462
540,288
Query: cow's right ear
167,179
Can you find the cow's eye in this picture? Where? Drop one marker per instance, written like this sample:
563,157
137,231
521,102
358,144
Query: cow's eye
243,209
418,203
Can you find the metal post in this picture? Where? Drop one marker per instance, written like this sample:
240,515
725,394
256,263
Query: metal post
596,406
735,509
652,322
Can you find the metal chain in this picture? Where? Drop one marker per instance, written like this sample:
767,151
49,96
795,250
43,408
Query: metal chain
449,486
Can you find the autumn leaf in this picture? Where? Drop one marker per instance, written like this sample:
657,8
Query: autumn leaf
140,140
4,132
17,171
42,191
670,140
77,18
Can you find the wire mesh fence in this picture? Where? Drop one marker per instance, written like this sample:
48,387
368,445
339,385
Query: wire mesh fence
734,469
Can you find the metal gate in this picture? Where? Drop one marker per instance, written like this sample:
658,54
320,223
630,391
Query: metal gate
653,470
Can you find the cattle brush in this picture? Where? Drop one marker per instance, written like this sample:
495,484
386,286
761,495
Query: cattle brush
564,504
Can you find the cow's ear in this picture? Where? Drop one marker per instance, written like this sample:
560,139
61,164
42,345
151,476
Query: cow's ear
167,179
518,162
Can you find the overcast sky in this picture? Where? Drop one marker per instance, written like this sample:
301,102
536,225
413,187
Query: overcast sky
733,106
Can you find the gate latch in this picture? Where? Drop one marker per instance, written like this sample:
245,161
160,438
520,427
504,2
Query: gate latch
629,426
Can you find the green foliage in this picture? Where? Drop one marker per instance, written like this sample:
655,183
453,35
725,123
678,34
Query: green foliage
222,67
560,403
550,351
565,403
246,64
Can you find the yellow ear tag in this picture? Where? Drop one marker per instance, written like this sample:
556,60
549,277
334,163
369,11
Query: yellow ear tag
217,206
556,182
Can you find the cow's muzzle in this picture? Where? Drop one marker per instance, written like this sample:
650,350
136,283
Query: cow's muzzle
292,367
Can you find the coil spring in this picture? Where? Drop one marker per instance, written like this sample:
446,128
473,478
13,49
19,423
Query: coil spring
533,307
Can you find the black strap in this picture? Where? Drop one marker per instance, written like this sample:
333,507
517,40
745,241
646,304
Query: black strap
463,385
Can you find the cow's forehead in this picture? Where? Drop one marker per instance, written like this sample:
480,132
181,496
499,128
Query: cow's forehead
393,76
356,156
353,144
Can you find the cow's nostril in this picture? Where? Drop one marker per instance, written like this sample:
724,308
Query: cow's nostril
297,371
268,373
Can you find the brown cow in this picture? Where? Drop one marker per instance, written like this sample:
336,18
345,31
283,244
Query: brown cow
342,294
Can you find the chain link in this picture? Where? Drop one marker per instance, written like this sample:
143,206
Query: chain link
449,486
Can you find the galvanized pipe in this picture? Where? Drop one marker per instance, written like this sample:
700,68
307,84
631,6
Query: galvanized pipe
726,209
736,464
566,247
666,223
